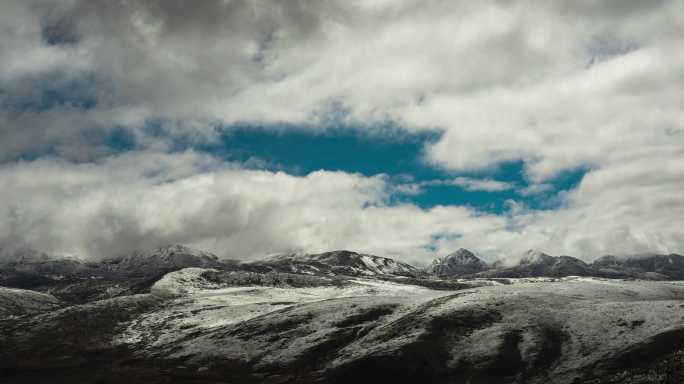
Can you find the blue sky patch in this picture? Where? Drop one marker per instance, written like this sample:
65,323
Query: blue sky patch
399,156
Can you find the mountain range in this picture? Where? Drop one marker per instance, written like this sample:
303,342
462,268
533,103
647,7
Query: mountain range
75,280
176,314
465,264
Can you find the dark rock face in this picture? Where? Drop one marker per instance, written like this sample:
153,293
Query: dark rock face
460,263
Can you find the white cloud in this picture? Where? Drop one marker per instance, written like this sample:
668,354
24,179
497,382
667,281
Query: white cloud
471,184
143,200
504,80
487,185
536,189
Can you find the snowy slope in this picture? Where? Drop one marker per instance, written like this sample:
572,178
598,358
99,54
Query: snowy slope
208,325
557,328
534,263
25,302
335,263
199,302
347,317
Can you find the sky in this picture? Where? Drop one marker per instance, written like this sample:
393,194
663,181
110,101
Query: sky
405,128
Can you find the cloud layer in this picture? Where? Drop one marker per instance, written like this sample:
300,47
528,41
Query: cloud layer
141,200
558,86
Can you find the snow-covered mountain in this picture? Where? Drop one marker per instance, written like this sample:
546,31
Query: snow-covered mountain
75,281
646,266
459,263
339,317
39,271
32,261
161,260
532,263
334,263
535,263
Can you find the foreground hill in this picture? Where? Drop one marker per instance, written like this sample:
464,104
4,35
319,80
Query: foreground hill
207,325
18,302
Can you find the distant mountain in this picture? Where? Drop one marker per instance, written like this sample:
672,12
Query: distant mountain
459,263
161,260
648,266
464,263
29,269
76,281
333,263
30,260
538,264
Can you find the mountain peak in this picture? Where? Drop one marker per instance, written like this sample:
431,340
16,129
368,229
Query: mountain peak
177,249
461,252
458,263
533,256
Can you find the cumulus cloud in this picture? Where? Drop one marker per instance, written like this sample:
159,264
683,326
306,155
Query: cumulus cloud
559,86
550,84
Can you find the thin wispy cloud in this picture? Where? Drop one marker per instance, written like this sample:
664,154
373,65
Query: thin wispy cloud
473,184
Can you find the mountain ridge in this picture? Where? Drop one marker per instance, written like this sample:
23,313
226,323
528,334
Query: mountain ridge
334,262
41,269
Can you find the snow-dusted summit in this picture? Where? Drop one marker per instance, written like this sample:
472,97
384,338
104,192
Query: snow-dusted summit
459,263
